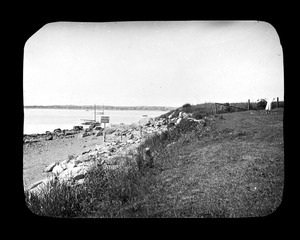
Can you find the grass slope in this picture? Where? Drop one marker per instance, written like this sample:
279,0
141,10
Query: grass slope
235,169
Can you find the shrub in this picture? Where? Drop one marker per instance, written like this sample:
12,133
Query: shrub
187,108
186,126
187,105
198,115
261,104
226,107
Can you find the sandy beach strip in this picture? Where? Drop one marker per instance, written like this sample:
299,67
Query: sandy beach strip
38,155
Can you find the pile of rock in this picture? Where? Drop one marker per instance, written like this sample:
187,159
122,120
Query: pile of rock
73,170
162,124
93,129
57,133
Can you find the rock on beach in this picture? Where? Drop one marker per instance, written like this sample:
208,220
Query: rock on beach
50,167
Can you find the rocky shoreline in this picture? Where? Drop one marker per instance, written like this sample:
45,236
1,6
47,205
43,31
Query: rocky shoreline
120,139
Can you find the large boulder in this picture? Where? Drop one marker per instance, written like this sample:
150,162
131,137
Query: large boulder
68,133
112,149
85,134
99,133
57,130
50,167
130,141
41,186
98,128
58,169
131,136
172,115
98,147
178,121
93,154
103,150
74,173
35,184
49,137
82,158
78,128
64,165
186,115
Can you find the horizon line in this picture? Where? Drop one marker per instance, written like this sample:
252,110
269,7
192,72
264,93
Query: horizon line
98,105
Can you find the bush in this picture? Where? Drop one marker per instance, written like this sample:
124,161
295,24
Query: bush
226,107
261,104
187,108
198,115
187,105
186,126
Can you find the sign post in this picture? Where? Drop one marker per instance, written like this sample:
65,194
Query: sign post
104,119
141,131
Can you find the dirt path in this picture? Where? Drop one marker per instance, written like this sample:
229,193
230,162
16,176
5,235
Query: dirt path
36,156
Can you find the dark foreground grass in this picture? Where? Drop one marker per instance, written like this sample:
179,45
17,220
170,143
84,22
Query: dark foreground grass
231,167
104,194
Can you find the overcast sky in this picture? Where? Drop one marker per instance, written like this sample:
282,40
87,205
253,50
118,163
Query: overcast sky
156,63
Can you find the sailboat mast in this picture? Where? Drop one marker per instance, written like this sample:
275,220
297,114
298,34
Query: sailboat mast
95,112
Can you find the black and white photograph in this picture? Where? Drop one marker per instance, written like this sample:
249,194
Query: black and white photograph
153,119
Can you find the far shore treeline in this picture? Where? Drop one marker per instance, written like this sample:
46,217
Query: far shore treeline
101,107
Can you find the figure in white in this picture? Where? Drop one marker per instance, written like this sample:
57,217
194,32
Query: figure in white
269,104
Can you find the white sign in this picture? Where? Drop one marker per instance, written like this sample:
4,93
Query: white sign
104,119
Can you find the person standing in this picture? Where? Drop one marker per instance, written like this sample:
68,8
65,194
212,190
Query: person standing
269,104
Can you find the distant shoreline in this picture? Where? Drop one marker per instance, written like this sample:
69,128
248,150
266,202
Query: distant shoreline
100,107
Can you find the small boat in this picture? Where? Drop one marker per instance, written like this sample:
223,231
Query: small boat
87,121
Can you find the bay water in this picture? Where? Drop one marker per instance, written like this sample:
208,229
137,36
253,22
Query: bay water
42,120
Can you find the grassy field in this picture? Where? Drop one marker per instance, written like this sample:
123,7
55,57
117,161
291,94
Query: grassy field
233,166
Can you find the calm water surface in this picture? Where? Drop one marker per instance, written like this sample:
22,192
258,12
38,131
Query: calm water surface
42,120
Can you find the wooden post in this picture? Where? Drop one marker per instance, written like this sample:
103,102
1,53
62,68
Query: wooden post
104,133
141,133
248,104
216,108
278,102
